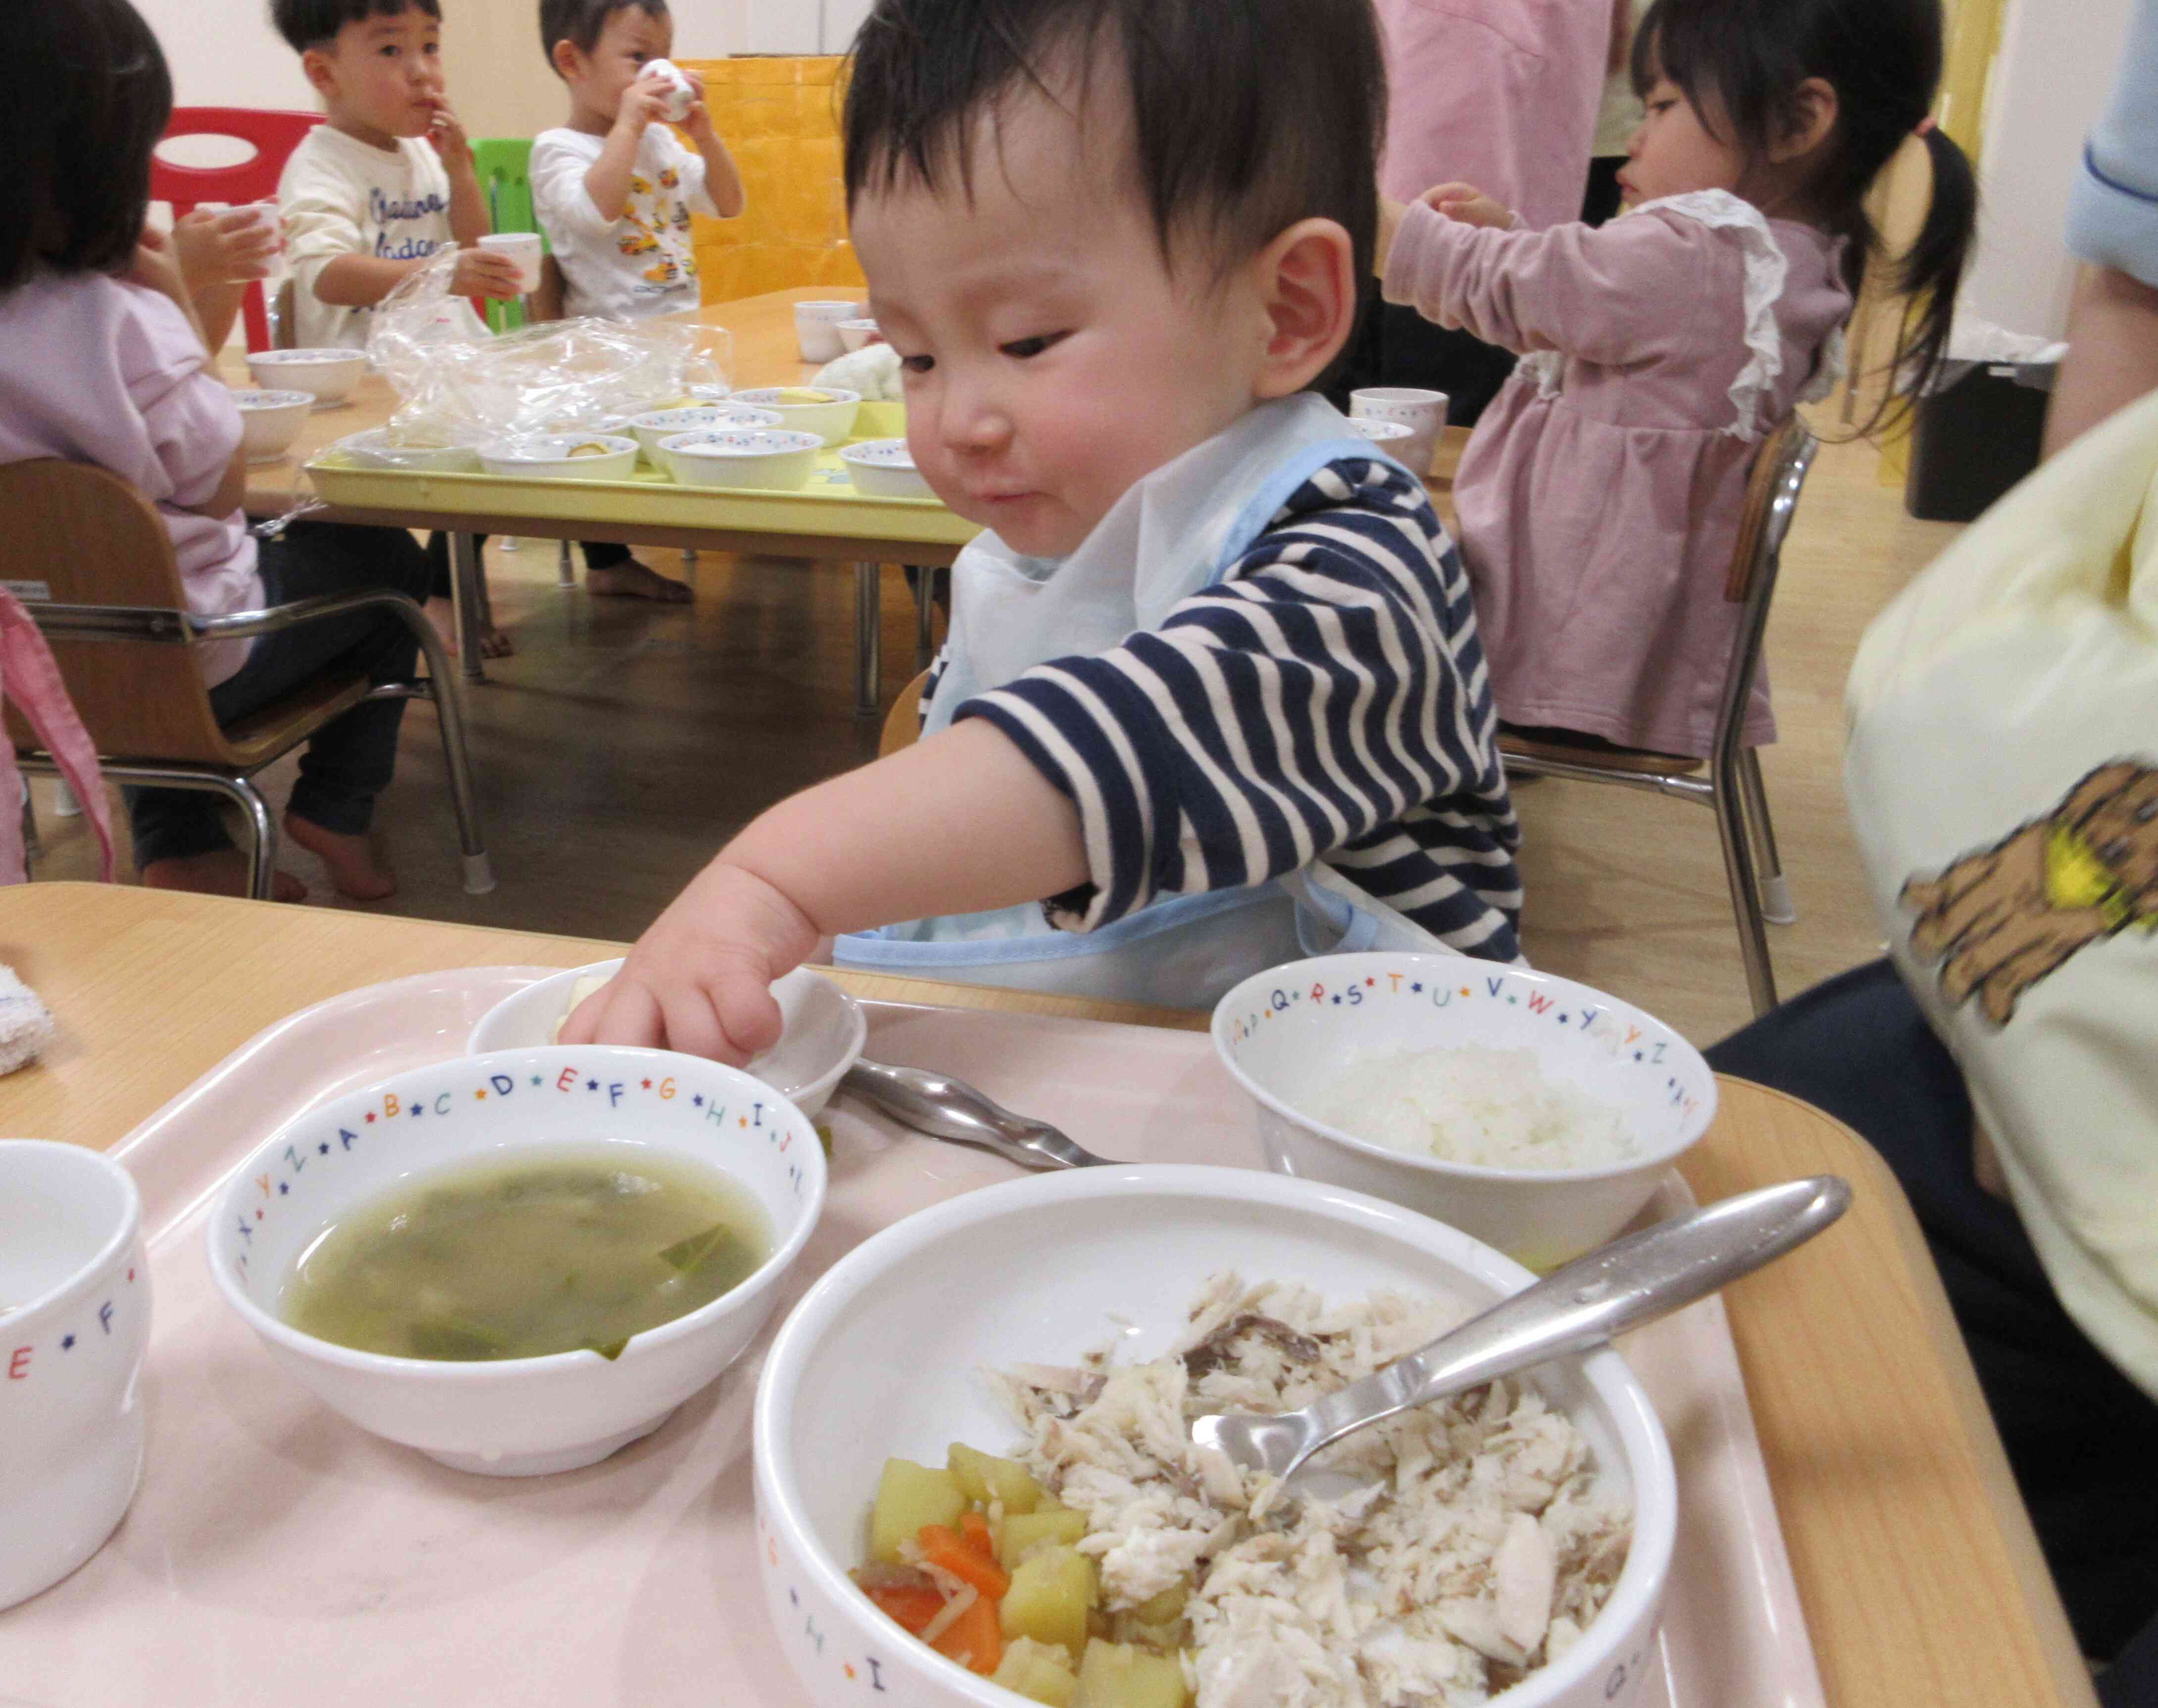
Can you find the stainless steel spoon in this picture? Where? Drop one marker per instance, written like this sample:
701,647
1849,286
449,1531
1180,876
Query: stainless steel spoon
944,1108
1576,1309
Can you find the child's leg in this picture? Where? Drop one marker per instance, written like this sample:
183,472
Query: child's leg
349,761
440,603
180,843
613,572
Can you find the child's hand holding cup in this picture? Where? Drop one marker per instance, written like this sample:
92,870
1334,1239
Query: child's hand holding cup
74,1320
220,244
523,248
681,91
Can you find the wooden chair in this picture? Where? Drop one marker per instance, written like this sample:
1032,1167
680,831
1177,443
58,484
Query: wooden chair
93,563
1731,788
273,135
902,724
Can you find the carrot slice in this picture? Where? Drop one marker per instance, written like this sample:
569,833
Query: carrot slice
910,1606
974,1531
974,1639
943,1548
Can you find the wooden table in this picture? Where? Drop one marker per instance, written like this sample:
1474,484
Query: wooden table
1920,1575
764,354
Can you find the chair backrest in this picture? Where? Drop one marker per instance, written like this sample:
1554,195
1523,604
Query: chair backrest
504,167
272,134
1772,499
902,724
81,535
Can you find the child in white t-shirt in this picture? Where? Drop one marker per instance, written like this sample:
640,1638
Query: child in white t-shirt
374,191
614,190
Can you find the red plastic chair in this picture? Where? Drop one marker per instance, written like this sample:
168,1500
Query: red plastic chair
274,134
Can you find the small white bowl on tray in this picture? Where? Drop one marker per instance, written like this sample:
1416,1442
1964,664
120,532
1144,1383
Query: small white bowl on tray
376,449
515,1417
328,376
822,1032
551,457
270,420
771,459
1288,1034
832,419
648,430
883,468
884,1356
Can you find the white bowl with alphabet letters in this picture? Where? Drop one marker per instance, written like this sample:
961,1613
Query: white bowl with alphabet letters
1290,1035
516,1416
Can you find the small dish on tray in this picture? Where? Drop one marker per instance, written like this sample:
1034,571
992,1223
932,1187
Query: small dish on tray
822,1036
476,1410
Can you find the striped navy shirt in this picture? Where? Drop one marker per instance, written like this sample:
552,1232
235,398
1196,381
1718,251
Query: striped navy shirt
1327,697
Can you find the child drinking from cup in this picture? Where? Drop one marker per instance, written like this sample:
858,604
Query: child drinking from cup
382,184
103,361
1599,499
1211,638
614,190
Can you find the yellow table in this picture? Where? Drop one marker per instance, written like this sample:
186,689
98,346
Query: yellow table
1921,1579
765,353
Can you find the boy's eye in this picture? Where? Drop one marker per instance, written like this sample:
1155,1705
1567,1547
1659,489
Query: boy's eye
917,365
1022,349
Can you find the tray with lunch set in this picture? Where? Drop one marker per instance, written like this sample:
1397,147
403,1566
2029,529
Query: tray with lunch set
486,1368
721,465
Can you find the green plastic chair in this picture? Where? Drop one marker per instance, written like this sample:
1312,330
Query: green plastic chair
504,166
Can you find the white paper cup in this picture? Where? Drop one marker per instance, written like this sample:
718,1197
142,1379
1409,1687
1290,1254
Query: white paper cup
817,328
525,249
74,1318
681,95
1424,412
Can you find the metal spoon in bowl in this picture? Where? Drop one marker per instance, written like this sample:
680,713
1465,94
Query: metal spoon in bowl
944,1108
1576,1309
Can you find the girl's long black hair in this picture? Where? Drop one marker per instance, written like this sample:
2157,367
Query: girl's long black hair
1743,60
84,98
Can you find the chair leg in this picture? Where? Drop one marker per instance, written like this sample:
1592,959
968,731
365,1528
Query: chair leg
1725,792
565,572
32,848
1776,906
869,638
925,633
449,713
262,867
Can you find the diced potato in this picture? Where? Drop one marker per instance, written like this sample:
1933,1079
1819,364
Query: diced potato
1046,1526
1037,1670
1050,1595
983,1478
1112,1675
908,1497
1164,1608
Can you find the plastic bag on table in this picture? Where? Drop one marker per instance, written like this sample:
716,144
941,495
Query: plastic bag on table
457,386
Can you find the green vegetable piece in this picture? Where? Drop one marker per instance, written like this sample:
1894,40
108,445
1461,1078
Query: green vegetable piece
983,1477
686,1254
608,1349
464,1342
908,1497
824,1138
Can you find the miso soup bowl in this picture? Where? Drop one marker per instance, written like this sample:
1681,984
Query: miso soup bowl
522,1416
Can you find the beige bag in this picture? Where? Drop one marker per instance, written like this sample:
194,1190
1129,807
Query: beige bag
2002,771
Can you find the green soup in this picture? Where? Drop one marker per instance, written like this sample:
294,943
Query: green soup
557,1249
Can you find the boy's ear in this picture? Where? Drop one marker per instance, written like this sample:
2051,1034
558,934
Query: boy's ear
1307,278
567,59
320,68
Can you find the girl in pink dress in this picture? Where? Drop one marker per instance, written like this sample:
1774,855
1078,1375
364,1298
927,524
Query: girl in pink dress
1599,499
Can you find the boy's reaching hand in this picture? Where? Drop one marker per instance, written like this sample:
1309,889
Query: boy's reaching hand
1470,206
483,272
700,980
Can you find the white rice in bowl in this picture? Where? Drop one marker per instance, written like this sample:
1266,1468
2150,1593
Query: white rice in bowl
1475,1544
1491,1107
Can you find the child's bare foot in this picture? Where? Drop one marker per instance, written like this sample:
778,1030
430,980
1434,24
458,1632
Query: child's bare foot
636,580
493,644
351,861
223,871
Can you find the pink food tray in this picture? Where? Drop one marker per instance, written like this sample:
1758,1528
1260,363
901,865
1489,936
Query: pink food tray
277,1556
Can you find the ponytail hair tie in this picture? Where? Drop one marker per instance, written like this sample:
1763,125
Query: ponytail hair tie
1924,128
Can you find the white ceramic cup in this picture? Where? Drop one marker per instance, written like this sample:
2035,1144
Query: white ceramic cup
1424,412
74,1317
817,328
681,93
525,249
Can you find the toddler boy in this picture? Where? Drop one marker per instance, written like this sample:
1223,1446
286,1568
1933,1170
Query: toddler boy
1210,637
614,191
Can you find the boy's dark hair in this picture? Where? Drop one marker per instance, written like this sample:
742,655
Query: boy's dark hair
83,97
1883,59
314,24
1249,115
580,22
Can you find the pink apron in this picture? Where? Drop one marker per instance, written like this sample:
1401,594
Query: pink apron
31,682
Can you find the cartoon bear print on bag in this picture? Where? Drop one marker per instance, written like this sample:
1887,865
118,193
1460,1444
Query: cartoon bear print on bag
2001,919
